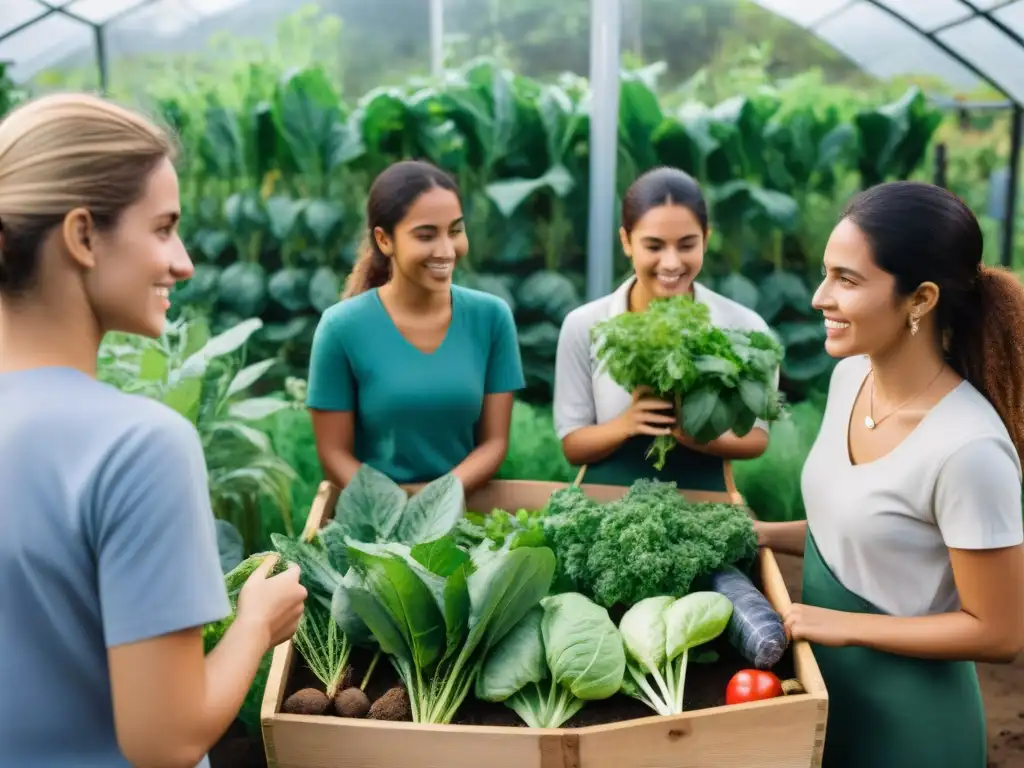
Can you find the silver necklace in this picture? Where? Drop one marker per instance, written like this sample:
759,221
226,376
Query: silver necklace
870,422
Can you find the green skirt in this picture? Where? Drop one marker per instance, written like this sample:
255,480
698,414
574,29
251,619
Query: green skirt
687,468
889,711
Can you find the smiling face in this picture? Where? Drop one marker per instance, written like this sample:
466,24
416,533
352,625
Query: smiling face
863,313
667,249
428,242
134,266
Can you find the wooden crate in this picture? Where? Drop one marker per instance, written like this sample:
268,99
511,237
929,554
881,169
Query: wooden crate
787,732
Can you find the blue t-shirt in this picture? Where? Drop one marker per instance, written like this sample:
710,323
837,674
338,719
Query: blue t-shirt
416,413
106,538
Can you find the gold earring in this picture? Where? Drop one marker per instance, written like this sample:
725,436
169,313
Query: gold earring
914,324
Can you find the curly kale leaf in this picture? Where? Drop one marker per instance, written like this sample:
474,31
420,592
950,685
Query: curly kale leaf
650,542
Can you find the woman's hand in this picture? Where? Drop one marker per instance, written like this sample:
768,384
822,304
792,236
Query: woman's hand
272,604
818,625
647,415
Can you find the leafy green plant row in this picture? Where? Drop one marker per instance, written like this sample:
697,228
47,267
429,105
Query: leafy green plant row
276,165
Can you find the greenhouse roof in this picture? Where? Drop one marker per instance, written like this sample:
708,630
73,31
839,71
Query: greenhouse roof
37,33
965,42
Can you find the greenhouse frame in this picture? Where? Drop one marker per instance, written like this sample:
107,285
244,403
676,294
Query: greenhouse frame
967,42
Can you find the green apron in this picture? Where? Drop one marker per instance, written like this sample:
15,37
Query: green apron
890,711
687,468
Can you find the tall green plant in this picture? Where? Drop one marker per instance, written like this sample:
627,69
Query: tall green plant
206,380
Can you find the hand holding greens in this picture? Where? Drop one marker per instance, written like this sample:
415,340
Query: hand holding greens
720,379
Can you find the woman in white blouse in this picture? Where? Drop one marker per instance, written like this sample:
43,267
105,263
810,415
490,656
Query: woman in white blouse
664,232
913,564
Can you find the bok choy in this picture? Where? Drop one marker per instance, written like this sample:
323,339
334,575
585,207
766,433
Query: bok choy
563,653
658,633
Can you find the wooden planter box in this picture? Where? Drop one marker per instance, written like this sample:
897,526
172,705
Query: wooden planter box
786,732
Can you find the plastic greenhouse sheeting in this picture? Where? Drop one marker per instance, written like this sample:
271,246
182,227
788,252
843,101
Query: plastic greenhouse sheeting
35,34
965,42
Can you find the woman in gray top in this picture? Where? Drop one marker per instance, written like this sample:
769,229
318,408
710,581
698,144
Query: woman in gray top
664,233
913,563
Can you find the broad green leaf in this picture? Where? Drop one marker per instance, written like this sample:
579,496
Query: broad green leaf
289,287
324,289
698,407
695,619
643,632
184,397
324,218
515,661
256,408
351,623
282,216
503,590
406,599
441,556
754,395
243,288
153,364
248,376
583,647
510,194
432,512
370,507
231,340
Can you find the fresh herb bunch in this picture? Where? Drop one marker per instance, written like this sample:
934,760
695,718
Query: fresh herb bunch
719,379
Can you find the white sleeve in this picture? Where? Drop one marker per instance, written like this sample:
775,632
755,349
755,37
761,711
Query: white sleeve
978,496
573,405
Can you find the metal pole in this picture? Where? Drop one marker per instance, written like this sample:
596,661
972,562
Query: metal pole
604,131
437,38
101,57
1012,177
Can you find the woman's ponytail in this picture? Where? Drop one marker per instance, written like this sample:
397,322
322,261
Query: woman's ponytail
987,346
371,270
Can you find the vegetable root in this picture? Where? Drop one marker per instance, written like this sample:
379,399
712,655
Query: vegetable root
308,701
393,705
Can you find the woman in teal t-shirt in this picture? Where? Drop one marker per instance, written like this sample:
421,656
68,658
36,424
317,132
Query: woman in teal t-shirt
409,373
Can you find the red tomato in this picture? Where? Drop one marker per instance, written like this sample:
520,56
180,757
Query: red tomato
752,685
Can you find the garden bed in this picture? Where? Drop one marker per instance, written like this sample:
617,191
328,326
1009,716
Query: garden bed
619,732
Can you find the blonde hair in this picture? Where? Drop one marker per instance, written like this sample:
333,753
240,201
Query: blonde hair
62,152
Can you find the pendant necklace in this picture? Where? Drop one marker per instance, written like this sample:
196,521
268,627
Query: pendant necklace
870,422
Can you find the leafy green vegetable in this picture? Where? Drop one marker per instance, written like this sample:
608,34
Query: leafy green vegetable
719,379
650,542
323,646
563,653
437,615
522,528
658,633
373,509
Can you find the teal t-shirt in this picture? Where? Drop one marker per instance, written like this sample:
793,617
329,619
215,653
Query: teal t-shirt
416,413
